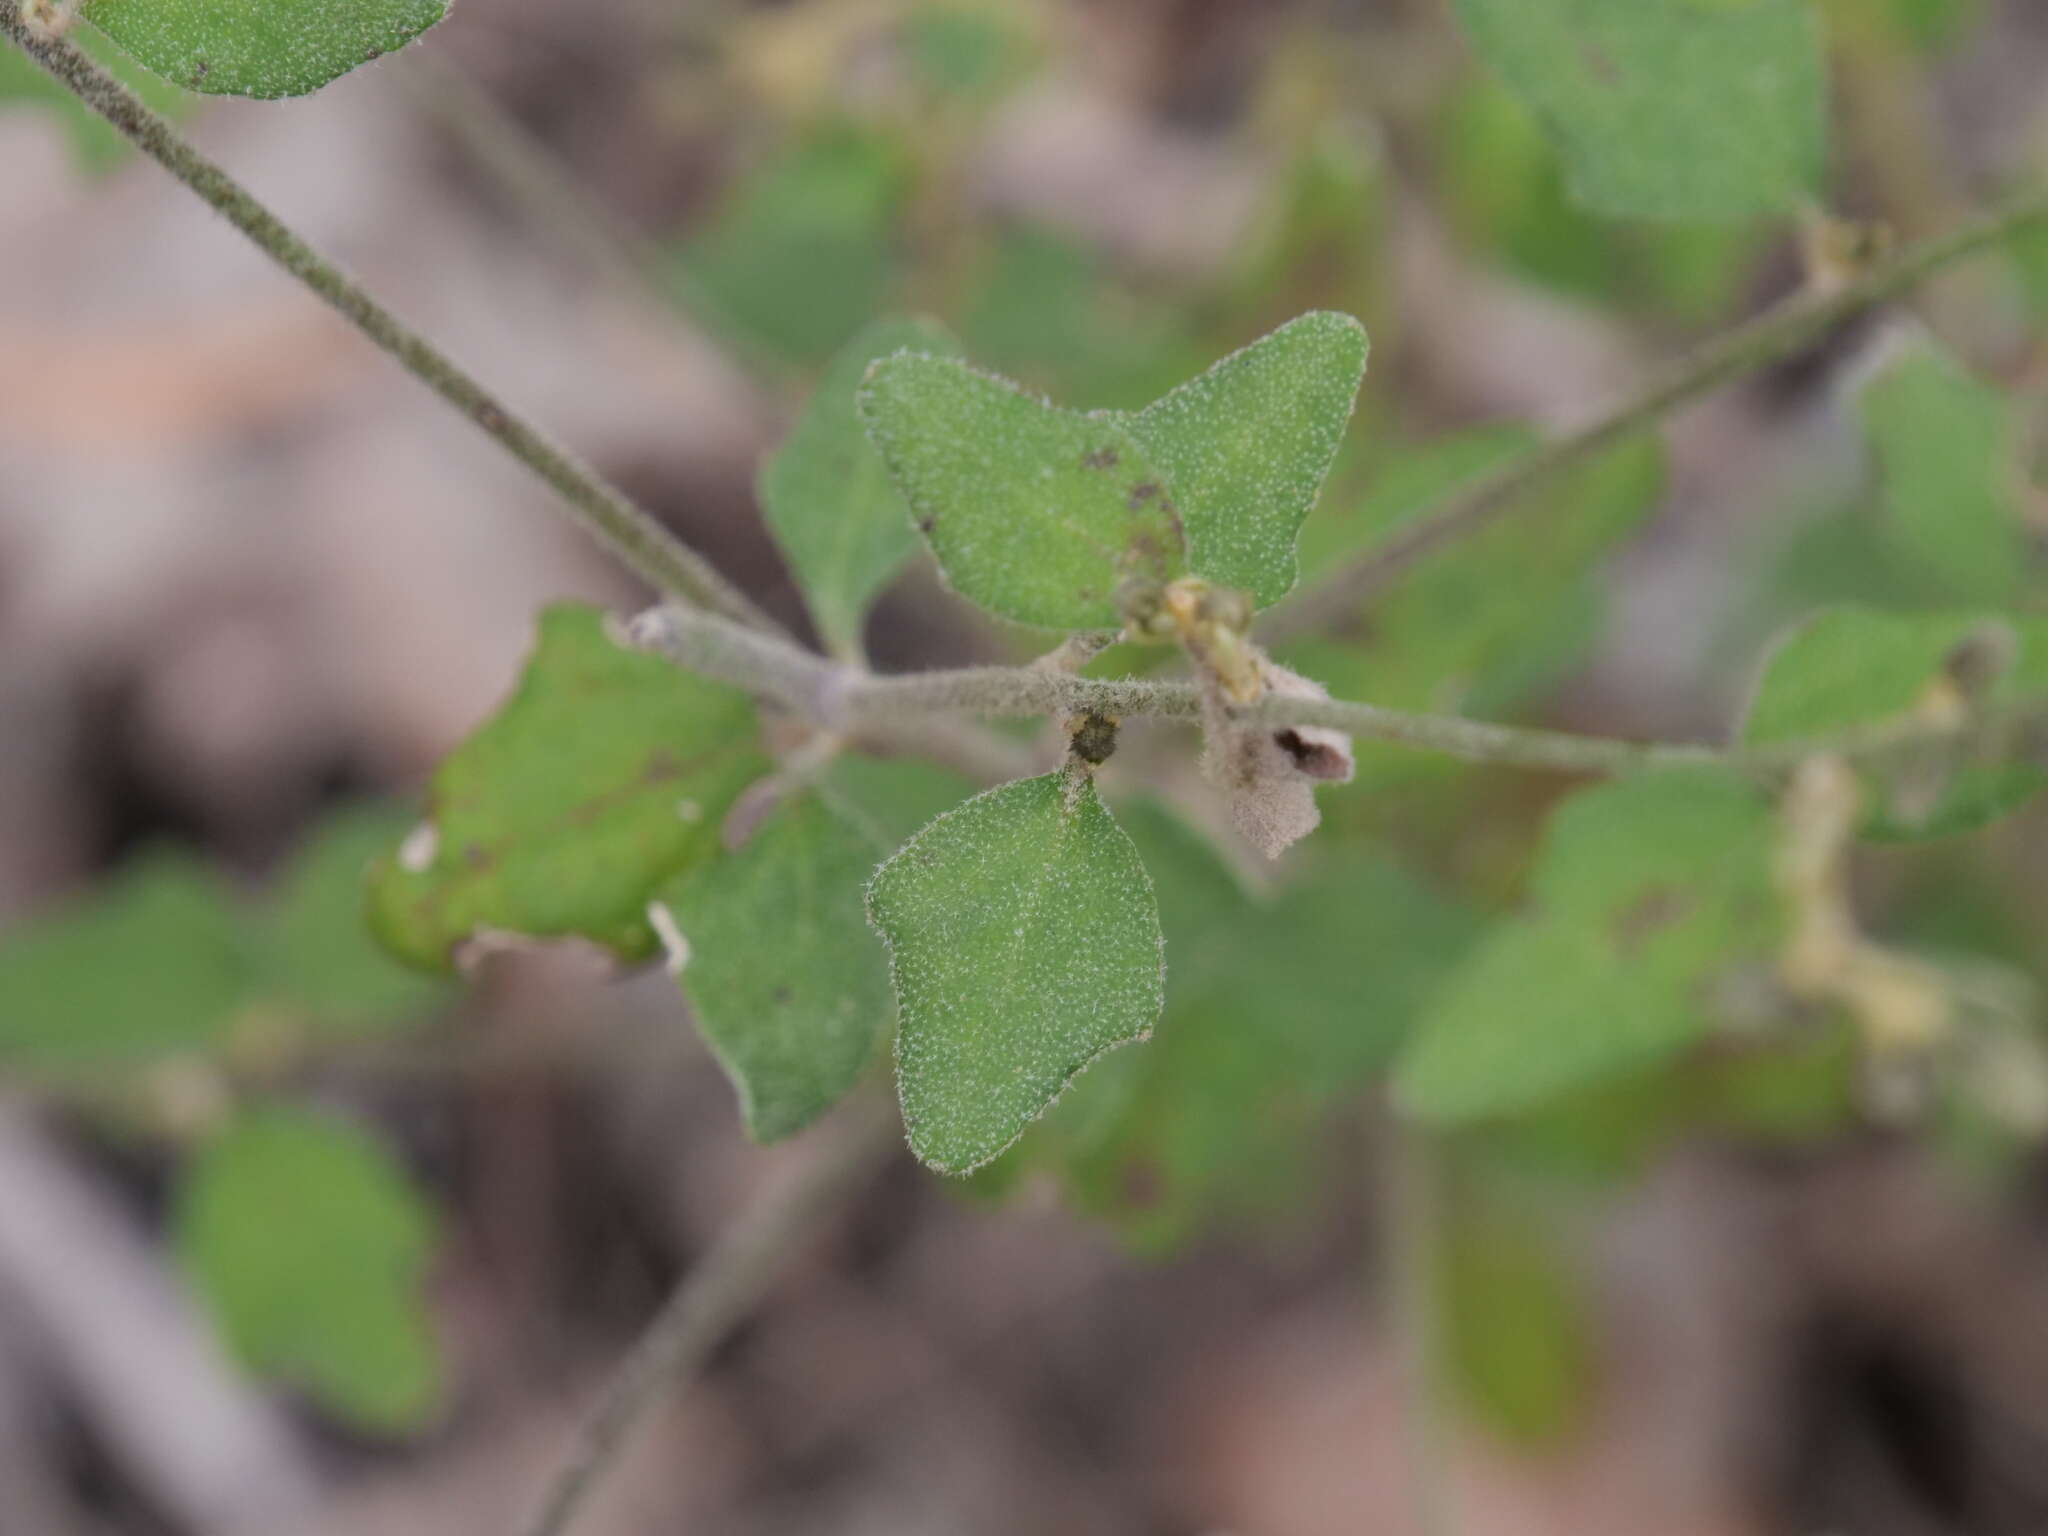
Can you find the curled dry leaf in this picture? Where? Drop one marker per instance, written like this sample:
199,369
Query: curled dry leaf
1268,773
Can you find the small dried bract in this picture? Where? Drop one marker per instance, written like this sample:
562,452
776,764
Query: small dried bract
1269,774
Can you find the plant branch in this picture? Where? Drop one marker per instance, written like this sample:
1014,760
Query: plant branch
851,702
1777,334
636,537
723,1287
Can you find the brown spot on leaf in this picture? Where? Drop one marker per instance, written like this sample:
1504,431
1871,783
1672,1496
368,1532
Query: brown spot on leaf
1141,1186
927,523
1600,64
1101,458
1141,493
1649,915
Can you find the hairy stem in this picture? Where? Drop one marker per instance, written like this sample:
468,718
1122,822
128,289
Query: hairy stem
636,537
1777,334
851,702
723,1287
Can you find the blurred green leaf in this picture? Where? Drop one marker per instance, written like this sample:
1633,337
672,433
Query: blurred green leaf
1946,454
1669,109
606,772
1023,943
968,51
1050,311
828,496
1506,611
801,254
1848,667
310,1246
266,48
896,795
1504,183
152,964
1272,1025
1035,513
1519,1340
317,953
1646,889
783,975
1320,241
1245,446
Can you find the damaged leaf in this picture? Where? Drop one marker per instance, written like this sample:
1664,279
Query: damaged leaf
1024,942
772,949
606,772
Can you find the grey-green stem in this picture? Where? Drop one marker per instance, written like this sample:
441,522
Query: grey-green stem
629,531
851,702
1771,337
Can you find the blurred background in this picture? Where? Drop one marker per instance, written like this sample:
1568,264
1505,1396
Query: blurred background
293,1240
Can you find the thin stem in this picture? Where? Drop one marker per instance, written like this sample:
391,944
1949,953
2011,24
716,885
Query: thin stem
634,535
850,702
723,1287
529,174
1777,334
1412,1204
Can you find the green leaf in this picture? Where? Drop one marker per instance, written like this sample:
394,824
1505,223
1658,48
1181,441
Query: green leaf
1946,454
606,772
262,48
1279,1013
1520,1342
1646,891
316,951
310,1245
896,795
151,965
1052,311
828,495
1668,109
1244,447
1849,667
1034,513
800,253
783,976
1024,942
969,52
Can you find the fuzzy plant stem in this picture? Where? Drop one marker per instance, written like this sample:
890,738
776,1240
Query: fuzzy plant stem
629,531
1772,337
853,703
